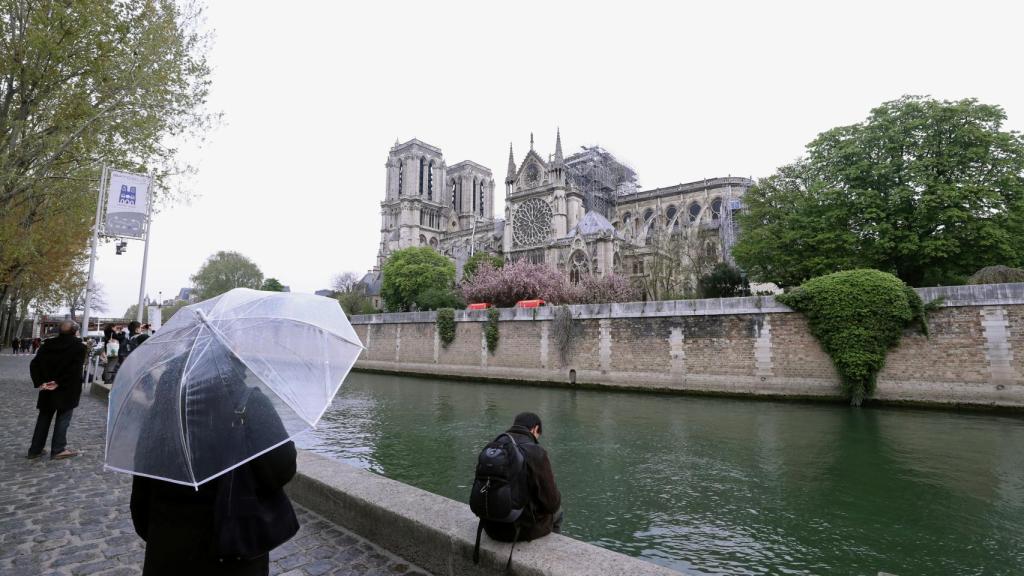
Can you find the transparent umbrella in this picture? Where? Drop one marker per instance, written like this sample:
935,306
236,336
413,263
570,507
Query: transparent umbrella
226,380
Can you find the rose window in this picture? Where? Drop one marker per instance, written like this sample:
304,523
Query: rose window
532,222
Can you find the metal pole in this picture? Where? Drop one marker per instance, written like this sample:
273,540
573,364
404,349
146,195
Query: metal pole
92,256
145,252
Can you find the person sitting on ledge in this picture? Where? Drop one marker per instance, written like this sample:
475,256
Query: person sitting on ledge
543,513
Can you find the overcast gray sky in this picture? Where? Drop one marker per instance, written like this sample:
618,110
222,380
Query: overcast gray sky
315,93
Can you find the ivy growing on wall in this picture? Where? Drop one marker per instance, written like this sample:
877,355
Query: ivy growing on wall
857,315
565,330
491,331
446,325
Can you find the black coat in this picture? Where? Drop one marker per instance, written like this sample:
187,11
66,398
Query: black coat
60,359
545,500
190,531
180,523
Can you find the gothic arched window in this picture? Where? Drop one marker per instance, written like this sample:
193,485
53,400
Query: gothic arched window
401,175
423,240
579,265
433,243
421,175
481,198
648,214
430,181
454,192
670,216
474,194
716,208
694,211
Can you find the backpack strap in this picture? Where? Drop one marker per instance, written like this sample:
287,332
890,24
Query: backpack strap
242,405
476,549
514,540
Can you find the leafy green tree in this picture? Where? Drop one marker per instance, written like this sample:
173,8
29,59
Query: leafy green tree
928,190
167,312
410,271
477,259
437,297
82,84
724,281
224,271
272,285
356,302
133,310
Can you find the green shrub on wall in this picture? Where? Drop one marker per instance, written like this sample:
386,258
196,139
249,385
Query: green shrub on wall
491,332
446,325
857,316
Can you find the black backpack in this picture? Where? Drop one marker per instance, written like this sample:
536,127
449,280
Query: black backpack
500,490
134,342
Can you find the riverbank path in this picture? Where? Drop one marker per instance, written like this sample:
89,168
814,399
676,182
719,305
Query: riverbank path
71,518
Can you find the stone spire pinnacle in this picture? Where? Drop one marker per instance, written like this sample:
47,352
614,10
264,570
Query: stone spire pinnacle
531,140
511,165
558,147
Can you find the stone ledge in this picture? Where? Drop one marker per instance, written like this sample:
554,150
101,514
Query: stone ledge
99,390
437,533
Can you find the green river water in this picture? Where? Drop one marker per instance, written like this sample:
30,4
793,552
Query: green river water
719,486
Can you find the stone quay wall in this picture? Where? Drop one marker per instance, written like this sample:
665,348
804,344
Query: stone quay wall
752,346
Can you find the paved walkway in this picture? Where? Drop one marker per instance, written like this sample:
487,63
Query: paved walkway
70,517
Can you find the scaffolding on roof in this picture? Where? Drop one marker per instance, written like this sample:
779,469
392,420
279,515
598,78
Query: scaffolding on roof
601,178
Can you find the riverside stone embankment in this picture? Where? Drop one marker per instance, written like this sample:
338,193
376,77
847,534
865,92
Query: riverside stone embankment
754,346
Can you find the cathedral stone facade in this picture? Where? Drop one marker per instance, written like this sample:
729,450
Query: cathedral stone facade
582,214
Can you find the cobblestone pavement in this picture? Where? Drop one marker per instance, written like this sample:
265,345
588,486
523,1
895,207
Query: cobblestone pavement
70,517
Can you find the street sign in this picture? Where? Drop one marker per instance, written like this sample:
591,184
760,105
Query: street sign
127,205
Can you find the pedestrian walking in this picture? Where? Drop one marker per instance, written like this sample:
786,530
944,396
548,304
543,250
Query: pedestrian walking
25,342
57,371
15,345
36,342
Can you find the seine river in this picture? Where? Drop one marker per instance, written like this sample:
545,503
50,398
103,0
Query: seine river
719,486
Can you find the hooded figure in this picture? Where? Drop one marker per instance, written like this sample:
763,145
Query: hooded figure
230,523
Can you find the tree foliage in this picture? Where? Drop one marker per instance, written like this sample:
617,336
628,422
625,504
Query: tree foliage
997,275
82,84
224,271
272,285
523,280
446,326
675,259
857,315
925,189
351,294
491,331
478,258
724,281
515,281
411,271
437,297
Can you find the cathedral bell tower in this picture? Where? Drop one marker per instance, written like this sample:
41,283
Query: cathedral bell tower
413,212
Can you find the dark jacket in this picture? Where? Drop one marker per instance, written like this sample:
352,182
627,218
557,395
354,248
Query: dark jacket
60,359
180,524
545,500
122,344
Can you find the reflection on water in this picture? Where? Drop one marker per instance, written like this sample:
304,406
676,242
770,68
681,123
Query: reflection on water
719,486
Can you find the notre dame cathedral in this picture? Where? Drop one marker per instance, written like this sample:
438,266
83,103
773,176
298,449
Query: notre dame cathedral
582,214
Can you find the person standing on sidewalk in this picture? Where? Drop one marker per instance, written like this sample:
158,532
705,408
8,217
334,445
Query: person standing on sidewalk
15,345
57,371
